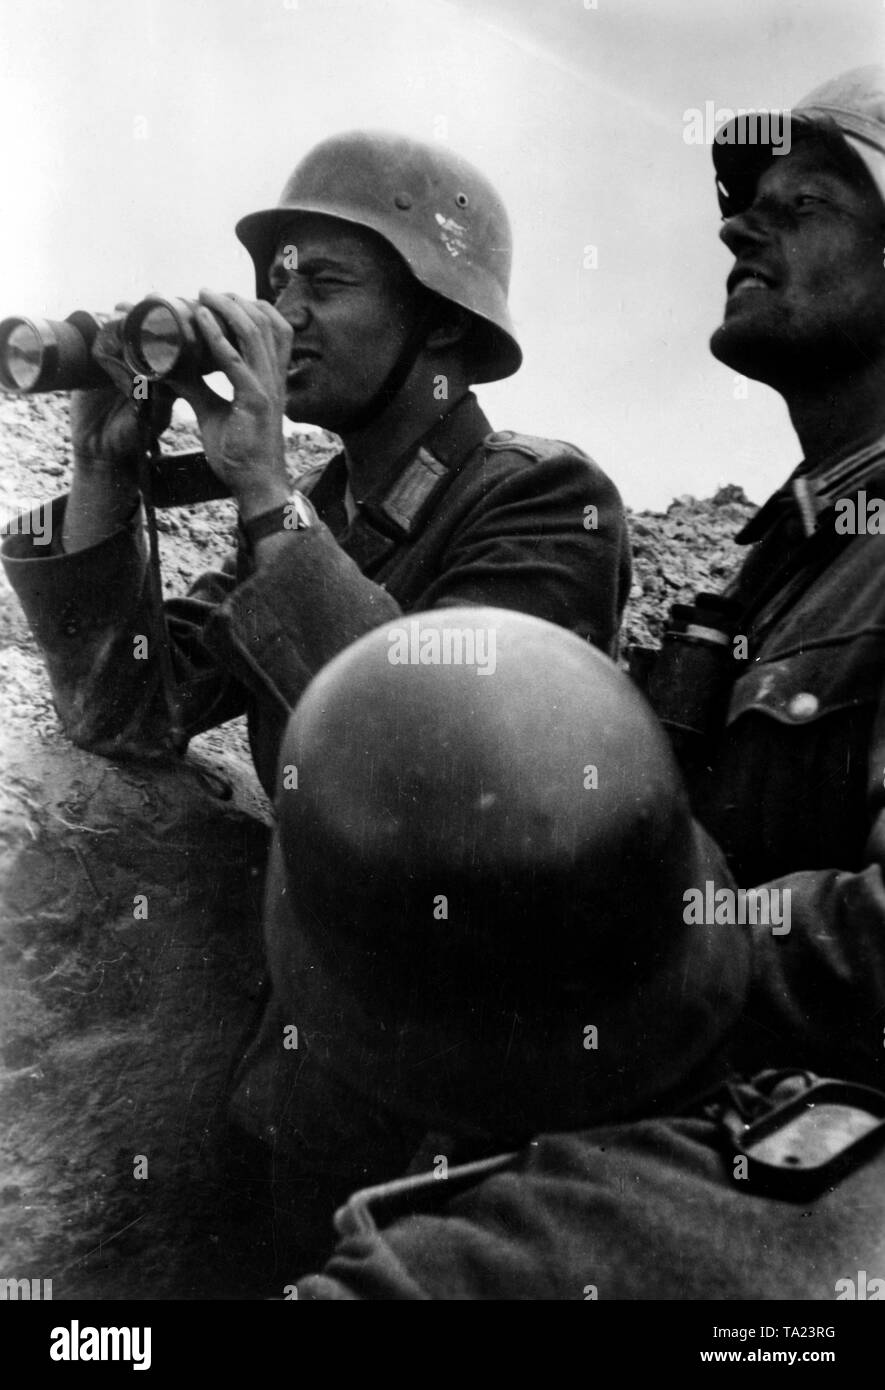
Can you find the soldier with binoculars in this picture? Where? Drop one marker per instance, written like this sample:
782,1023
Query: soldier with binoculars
381,280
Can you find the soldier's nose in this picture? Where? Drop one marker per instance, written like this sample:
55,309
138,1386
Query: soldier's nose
743,229
291,305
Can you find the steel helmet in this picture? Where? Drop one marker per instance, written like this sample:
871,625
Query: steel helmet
484,849
439,213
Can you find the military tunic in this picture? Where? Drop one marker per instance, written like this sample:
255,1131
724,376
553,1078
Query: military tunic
793,782
472,516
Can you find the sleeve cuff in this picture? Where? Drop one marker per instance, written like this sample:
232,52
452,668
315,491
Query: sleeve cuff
97,586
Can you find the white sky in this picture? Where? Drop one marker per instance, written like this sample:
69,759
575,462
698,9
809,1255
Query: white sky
138,131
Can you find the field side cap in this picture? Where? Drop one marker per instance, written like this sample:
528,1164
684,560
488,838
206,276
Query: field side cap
440,214
848,110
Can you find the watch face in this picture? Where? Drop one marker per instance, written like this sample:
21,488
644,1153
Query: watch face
301,510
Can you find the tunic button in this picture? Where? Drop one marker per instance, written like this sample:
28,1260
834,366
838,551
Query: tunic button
403,202
804,705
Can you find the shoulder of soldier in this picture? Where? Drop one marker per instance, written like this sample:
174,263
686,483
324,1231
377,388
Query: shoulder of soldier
530,446
493,1224
570,462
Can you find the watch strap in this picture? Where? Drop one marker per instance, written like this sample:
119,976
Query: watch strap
293,515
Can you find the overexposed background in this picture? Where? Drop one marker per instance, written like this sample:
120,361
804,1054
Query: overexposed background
137,132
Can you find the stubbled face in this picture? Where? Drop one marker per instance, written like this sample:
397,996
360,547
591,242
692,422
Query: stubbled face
806,296
351,301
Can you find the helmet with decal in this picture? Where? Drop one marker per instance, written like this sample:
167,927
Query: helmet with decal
440,214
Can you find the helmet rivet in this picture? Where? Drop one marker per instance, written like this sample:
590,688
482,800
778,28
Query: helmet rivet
402,200
462,200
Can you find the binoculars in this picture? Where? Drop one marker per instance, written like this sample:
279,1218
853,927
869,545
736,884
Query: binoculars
689,680
160,339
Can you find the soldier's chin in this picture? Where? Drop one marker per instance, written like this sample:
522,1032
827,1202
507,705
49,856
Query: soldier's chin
301,410
745,351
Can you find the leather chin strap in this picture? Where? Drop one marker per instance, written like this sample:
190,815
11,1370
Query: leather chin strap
396,377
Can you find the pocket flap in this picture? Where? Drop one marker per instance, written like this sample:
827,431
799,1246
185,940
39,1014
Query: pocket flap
807,685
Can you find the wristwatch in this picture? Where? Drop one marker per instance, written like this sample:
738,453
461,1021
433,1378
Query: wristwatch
295,515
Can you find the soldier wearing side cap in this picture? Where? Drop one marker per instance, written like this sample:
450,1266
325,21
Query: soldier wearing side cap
509,1038
785,753
381,281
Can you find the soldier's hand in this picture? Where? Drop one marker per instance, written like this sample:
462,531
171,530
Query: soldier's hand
243,438
104,422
